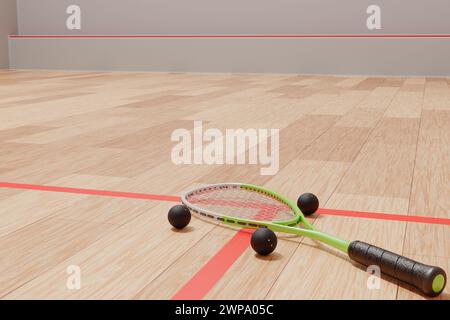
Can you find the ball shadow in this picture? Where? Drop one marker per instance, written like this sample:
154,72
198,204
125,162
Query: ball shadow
274,256
186,229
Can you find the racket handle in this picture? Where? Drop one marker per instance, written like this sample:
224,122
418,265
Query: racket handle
430,280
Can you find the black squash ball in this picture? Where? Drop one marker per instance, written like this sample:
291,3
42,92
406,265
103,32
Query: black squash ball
179,216
264,241
308,203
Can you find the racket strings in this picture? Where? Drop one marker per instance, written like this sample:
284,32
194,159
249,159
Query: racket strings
241,203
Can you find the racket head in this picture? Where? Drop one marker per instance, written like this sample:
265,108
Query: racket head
243,205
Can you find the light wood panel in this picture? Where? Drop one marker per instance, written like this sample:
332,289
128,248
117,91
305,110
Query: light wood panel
121,263
39,246
26,208
360,143
182,270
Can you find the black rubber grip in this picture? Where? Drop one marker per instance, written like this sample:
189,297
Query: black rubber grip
430,280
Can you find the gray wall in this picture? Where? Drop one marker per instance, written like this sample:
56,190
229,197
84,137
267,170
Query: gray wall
320,56
8,25
120,17
304,56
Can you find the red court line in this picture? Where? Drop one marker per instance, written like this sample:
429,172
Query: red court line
106,193
205,279
384,216
230,36
208,276
145,196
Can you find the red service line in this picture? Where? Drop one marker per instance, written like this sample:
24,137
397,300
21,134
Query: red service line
159,197
94,192
231,36
384,216
207,277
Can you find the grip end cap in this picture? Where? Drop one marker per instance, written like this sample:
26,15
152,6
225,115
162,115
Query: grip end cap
438,283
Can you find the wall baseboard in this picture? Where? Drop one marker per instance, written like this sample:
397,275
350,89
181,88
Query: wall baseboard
342,56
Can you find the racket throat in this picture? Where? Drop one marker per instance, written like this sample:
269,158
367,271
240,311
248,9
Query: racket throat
332,241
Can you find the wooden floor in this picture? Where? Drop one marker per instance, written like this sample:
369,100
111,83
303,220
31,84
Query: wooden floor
359,143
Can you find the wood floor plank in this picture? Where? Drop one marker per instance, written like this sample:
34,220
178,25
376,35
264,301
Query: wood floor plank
369,83
58,134
20,132
26,208
31,251
386,161
337,144
379,98
436,95
44,164
431,195
181,271
121,264
361,118
406,104
344,103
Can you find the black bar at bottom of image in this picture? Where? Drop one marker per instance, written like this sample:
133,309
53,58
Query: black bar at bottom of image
217,309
